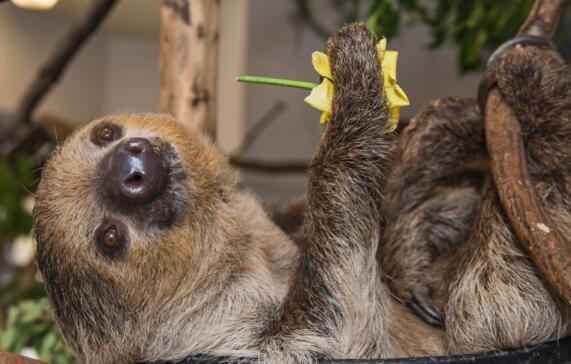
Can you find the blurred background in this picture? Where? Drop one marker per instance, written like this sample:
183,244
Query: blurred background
443,46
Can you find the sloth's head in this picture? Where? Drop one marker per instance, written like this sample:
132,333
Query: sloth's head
128,209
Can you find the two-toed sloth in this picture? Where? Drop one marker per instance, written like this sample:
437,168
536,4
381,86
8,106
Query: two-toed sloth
149,251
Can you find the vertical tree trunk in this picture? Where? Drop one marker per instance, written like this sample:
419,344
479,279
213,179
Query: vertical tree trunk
188,63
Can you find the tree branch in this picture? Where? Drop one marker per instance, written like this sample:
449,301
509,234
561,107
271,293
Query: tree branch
300,166
543,18
259,126
542,239
9,358
51,72
257,165
188,61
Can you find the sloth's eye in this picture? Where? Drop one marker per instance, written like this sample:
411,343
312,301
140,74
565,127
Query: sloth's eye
105,133
111,238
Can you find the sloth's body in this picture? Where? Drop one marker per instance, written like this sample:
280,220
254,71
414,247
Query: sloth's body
456,246
150,252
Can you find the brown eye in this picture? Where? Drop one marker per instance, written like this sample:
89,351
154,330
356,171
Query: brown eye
111,237
105,133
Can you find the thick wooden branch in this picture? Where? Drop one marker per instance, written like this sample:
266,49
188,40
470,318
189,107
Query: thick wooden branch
9,358
188,63
545,244
542,239
543,18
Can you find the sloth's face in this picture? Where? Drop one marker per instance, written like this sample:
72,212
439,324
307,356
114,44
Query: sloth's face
123,207
126,180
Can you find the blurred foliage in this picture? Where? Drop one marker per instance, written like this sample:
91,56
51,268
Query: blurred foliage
474,27
14,220
30,324
13,293
26,319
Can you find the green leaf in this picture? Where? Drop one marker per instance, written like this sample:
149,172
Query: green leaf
474,27
31,325
48,345
31,311
7,338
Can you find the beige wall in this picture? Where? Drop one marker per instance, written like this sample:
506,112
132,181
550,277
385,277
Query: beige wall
26,38
277,48
232,62
131,78
118,71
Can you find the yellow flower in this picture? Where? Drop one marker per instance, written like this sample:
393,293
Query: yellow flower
321,64
321,97
396,97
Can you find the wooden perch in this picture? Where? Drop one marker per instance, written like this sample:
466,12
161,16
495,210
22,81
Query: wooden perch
543,18
546,245
188,67
9,358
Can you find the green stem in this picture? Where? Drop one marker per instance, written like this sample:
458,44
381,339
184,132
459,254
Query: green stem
278,82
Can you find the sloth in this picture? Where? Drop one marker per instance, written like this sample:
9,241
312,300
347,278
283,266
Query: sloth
150,252
448,250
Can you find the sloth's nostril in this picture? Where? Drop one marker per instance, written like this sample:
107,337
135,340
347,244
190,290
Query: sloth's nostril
134,178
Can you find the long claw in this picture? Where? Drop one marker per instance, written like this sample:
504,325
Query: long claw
422,306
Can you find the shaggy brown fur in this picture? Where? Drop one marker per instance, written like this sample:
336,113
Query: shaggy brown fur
460,246
428,214
204,270
537,85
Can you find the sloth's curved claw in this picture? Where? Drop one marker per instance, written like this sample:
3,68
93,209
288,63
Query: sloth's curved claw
422,306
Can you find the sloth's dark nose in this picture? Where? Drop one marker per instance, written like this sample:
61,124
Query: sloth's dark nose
135,171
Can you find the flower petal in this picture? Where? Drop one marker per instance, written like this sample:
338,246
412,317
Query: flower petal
321,64
321,97
325,116
389,66
381,48
403,98
394,119
396,96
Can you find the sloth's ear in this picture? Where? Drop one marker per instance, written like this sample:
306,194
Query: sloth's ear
223,195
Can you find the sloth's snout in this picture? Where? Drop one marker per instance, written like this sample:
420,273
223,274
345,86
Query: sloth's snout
134,171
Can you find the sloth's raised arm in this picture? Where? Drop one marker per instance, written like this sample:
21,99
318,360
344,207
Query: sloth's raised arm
337,284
